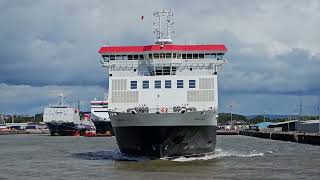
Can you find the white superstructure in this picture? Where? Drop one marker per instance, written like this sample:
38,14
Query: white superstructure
163,75
99,110
61,112
2,122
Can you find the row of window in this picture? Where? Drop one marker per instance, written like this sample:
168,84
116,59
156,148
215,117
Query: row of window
164,56
157,84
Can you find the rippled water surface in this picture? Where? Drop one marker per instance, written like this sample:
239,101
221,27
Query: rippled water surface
236,157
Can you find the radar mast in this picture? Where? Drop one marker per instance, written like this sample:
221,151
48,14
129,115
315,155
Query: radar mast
163,27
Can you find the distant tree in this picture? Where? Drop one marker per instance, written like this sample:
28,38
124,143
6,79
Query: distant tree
25,119
225,117
258,119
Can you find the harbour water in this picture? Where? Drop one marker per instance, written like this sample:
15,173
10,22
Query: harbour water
236,157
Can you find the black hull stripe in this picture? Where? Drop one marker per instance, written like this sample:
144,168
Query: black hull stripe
102,127
62,129
166,141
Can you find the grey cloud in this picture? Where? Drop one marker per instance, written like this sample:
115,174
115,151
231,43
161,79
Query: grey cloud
29,99
252,104
273,46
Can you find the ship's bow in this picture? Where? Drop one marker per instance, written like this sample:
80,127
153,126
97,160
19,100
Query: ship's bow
165,135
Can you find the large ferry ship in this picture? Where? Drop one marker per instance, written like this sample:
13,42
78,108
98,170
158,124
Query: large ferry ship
64,120
100,117
163,97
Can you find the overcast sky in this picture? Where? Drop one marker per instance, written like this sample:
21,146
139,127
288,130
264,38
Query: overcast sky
51,46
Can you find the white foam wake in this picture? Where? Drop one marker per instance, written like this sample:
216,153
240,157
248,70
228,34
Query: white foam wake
219,153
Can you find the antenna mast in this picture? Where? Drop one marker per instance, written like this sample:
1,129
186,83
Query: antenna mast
163,27
300,110
61,100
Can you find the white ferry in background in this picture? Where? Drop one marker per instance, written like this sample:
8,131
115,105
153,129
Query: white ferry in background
100,117
64,120
2,123
164,97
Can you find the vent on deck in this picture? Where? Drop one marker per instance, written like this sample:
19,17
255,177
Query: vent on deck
124,96
200,95
206,83
119,84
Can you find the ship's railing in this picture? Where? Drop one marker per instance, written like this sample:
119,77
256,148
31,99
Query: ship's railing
98,105
123,65
161,109
59,105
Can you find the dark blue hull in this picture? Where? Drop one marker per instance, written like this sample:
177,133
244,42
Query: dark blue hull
62,129
103,127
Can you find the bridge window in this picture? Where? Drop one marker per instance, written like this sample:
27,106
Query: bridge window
179,83
201,56
118,57
174,55
112,57
145,84
157,84
167,83
220,56
162,56
106,57
133,84
178,56
192,83
124,57
159,71
184,56
195,56
156,56
168,55
173,70
166,70
130,57
189,56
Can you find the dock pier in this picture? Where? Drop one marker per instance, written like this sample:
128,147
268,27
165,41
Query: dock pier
305,138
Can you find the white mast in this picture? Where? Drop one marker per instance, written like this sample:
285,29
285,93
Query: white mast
163,36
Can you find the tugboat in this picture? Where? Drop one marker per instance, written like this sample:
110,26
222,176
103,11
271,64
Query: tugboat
88,128
164,97
62,119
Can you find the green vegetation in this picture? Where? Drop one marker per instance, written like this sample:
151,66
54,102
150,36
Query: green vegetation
225,117
24,119
258,119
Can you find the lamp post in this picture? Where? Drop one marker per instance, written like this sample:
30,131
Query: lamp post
231,117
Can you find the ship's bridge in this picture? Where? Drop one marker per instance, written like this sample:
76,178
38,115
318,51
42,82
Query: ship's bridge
111,53
163,75
160,59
